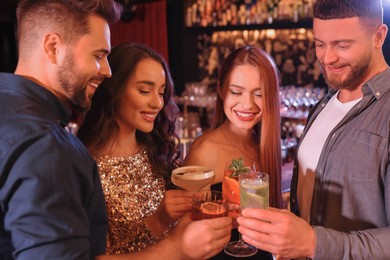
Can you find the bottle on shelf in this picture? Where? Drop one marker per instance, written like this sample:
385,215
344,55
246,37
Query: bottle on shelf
211,13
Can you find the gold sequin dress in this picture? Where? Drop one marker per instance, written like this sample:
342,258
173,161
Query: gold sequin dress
132,193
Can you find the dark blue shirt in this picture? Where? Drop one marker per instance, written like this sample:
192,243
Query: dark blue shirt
51,201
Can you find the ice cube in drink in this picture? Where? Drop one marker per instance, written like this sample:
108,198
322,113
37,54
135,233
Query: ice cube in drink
254,195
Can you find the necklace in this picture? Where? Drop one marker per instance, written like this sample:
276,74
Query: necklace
237,147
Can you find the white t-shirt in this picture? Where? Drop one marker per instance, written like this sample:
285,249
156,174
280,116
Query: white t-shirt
311,147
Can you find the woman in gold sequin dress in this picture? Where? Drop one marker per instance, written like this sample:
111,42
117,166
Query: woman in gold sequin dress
130,132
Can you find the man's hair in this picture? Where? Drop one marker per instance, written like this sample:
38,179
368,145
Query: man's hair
69,18
370,11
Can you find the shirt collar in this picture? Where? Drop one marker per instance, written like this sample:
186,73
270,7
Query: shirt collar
378,85
53,108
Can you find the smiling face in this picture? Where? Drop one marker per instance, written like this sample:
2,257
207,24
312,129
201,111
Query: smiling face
84,65
142,99
344,49
242,97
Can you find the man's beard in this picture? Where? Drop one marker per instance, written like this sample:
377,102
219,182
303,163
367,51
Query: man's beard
353,79
73,85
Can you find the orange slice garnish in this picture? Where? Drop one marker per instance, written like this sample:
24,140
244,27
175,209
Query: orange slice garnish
231,188
212,208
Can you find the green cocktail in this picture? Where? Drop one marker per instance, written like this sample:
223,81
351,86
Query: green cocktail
254,191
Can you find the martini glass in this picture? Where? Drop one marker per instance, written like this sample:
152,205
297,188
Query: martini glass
192,178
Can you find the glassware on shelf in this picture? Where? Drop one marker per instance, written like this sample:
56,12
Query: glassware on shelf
197,94
211,13
187,129
296,102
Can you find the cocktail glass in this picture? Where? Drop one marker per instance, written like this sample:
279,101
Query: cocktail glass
254,190
208,204
254,193
231,187
192,178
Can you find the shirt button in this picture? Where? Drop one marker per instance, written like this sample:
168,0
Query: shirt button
377,94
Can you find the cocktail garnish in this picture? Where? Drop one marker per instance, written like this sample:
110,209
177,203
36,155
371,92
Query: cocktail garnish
211,208
237,167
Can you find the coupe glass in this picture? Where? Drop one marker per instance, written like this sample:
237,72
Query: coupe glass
192,178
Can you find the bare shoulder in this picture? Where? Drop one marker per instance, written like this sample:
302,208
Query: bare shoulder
204,149
210,139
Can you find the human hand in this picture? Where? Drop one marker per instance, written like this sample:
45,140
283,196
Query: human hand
277,231
173,206
201,239
189,239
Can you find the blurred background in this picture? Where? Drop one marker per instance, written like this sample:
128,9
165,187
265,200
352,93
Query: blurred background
194,36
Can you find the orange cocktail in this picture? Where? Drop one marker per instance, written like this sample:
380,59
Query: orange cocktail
209,204
231,187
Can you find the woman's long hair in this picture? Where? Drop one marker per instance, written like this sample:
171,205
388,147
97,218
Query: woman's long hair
267,132
99,123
